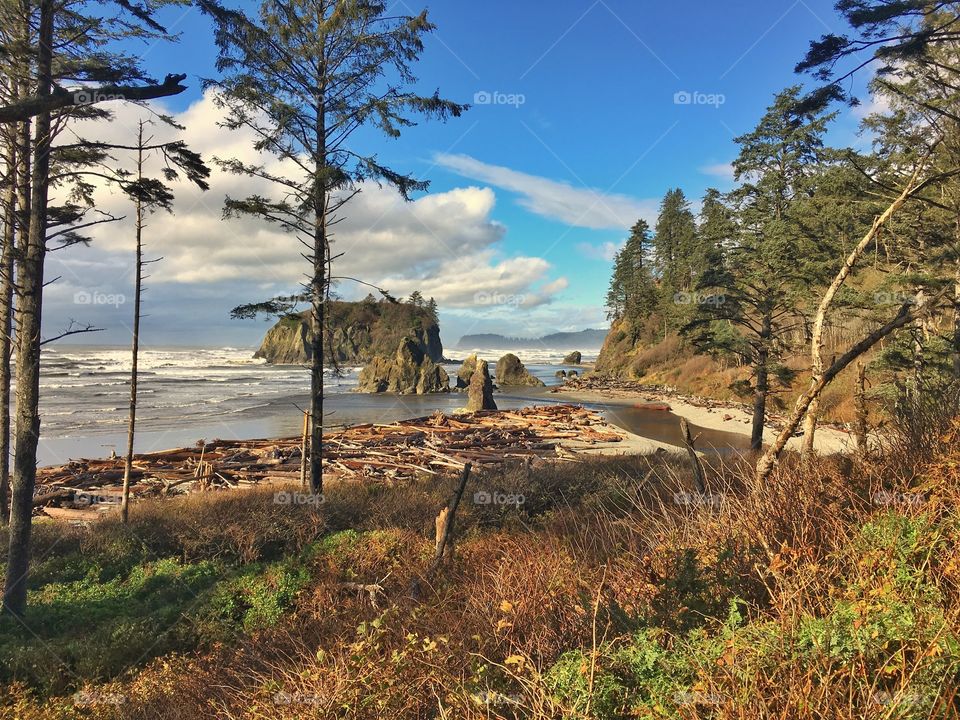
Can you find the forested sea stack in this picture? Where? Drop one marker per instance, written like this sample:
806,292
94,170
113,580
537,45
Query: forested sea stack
359,332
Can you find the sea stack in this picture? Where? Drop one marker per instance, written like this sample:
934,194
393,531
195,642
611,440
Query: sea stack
467,369
510,371
573,358
480,392
408,372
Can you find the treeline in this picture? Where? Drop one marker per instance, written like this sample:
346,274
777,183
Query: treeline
764,270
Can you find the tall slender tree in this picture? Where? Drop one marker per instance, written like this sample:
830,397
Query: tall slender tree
304,76
71,45
149,195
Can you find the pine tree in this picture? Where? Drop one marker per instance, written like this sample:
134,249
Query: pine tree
305,75
760,289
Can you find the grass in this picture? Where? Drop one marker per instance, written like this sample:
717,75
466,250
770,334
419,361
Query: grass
834,592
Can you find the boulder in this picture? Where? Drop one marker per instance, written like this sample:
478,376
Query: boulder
480,392
573,358
572,374
409,371
466,372
510,371
560,373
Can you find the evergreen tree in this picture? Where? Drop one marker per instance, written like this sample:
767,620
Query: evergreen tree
761,288
631,277
304,76
416,299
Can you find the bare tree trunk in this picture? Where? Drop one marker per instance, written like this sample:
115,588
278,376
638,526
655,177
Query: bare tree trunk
318,292
6,321
762,386
816,342
860,400
135,349
904,317
29,307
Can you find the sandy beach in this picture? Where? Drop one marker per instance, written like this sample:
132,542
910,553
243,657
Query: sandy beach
710,415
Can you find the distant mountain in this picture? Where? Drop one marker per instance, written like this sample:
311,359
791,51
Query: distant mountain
582,340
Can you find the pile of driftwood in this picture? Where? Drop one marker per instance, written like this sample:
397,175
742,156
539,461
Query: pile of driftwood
81,489
440,443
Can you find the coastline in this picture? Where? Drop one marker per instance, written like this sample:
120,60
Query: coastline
711,415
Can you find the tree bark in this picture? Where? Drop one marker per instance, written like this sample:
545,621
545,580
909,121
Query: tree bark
135,347
318,291
29,308
860,401
57,100
6,321
819,323
762,386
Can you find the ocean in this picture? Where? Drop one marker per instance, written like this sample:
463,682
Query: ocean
189,394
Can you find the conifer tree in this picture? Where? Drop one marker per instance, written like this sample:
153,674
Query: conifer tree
305,76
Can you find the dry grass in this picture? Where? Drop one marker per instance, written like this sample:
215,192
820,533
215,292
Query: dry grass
611,592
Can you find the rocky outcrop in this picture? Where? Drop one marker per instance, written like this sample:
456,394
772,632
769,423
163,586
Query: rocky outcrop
480,392
408,371
510,371
360,331
466,372
573,358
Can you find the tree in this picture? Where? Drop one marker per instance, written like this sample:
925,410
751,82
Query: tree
304,76
632,294
71,45
149,195
674,241
760,290
416,299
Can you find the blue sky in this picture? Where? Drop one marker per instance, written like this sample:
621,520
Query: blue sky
584,114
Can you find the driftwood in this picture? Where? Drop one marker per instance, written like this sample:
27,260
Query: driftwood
445,521
698,475
371,452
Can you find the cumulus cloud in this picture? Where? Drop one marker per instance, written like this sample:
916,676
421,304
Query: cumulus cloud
445,244
580,207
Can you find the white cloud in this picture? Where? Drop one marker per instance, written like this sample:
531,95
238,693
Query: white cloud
581,207
446,244
724,171
605,251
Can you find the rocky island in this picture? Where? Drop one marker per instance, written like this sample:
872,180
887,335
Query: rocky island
362,331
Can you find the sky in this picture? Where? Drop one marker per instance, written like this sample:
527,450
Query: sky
584,113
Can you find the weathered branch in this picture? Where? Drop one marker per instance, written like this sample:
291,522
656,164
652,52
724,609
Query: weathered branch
60,98
903,317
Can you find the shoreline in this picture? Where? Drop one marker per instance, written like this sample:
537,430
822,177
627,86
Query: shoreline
709,414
